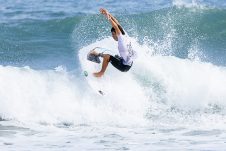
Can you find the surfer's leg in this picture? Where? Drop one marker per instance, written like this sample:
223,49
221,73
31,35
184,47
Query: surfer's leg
106,59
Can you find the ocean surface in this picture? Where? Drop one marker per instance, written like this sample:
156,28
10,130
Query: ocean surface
173,98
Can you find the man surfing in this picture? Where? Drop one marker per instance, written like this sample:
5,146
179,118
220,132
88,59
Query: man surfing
126,52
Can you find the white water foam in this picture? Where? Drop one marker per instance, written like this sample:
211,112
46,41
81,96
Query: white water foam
54,97
156,86
181,85
191,4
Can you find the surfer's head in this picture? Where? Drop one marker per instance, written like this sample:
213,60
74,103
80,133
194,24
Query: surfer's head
113,32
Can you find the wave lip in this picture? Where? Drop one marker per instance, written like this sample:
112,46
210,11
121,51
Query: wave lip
199,4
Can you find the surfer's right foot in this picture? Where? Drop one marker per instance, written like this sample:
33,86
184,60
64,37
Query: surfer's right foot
98,74
93,52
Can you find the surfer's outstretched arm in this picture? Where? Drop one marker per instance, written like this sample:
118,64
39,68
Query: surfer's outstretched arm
107,14
112,20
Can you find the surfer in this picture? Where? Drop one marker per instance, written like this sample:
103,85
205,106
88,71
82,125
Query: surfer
126,52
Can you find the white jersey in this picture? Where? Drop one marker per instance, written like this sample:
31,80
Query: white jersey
125,49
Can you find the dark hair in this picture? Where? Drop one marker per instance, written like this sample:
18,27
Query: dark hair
120,28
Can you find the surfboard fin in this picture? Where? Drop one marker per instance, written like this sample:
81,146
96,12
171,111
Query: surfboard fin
101,92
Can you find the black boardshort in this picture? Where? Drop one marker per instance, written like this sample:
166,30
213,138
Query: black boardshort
117,62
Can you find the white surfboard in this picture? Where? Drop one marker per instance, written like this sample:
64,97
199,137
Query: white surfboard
100,84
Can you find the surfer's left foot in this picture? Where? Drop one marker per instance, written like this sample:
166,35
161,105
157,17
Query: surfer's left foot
98,74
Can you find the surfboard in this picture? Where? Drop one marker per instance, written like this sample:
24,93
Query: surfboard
95,85
91,64
92,57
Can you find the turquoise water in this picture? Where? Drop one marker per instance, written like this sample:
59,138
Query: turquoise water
172,99
40,34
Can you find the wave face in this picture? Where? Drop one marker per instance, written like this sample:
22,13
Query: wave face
186,33
194,33
179,74
183,30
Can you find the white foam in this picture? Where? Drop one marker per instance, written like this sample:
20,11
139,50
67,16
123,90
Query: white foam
52,97
167,81
41,96
188,83
188,3
152,86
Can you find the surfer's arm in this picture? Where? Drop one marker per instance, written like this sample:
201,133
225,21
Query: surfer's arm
113,18
116,26
109,15
114,22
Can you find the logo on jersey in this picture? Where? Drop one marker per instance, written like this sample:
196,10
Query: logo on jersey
130,50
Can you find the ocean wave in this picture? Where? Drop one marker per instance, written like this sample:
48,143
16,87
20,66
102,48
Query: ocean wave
181,32
157,87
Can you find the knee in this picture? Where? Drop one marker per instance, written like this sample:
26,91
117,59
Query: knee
106,57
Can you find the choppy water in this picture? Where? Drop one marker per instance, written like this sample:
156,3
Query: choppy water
173,98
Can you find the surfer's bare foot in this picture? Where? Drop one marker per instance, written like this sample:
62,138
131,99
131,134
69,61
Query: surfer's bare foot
98,74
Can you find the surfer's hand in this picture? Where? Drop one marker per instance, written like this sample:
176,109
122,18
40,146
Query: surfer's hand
103,11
